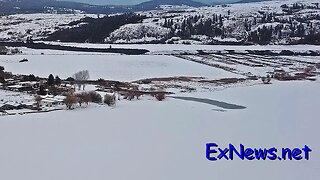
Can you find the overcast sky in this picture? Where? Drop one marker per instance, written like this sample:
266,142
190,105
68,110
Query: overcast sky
130,2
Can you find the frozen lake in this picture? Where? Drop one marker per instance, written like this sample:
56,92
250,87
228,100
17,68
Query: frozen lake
147,139
112,67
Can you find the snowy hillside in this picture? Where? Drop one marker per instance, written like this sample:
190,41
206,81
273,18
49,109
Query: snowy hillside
268,22
275,22
139,33
19,27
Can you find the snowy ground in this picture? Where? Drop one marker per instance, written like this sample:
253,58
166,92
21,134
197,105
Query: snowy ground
169,48
113,67
147,139
166,140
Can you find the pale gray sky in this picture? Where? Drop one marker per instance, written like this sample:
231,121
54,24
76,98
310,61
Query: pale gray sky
130,2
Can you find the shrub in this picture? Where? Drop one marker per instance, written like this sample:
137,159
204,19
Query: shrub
83,97
160,96
70,79
266,80
101,82
110,99
86,97
134,92
53,90
3,50
95,97
138,94
38,100
80,99
129,96
309,69
15,51
70,100
30,77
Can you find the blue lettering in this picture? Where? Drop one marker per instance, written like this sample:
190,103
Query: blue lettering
286,151
249,154
223,153
296,154
210,151
261,153
233,149
272,153
306,150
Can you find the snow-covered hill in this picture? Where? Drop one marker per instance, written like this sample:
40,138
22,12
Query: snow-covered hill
281,22
268,22
139,33
21,26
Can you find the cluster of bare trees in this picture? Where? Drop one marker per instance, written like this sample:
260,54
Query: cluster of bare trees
80,77
160,94
72,99
133,93
85,97
80,98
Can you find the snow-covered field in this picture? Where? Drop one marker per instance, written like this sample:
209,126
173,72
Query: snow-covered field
169,48
166,140
148,139
112,67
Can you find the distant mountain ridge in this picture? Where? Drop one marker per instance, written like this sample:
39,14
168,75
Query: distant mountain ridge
40,6
251,1
157,3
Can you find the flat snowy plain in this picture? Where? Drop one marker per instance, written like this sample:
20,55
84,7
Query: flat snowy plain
181,47
113,67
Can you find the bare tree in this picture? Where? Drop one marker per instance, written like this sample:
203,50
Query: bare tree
80,77
38,100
